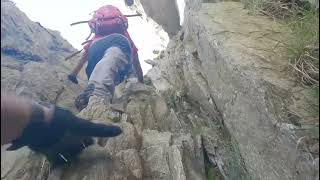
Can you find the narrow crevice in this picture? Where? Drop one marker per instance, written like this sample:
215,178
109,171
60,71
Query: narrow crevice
45,29
30,29
59,93
20,55
211,168
14,22
203,83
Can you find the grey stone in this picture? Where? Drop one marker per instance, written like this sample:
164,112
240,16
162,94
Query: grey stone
165,13
131,159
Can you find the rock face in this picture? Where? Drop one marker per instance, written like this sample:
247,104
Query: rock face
32,59
215,105
165,13
223,60
149,148
20,37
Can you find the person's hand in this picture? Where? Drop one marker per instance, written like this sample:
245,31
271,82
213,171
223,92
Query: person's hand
40,134
129,2
73,78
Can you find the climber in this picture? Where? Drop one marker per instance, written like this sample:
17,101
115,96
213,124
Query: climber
27,123
111,55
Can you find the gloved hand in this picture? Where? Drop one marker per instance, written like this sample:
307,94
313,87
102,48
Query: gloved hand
129,2
73,78
40,135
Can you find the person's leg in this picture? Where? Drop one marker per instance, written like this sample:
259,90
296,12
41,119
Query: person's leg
106,71
102,80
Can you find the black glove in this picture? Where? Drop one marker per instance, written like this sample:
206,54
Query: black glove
73,78
129,2
41,136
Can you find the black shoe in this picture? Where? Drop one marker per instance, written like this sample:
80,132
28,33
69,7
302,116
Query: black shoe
82,99
73,78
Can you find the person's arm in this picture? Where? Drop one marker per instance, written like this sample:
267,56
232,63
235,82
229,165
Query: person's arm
80,64
73,75
27,123
15,115
137,67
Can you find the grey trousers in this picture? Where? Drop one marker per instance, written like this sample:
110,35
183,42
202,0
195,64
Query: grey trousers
106,72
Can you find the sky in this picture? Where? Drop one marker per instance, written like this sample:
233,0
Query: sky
59,14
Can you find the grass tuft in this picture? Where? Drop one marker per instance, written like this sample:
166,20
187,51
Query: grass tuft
304,47
302,18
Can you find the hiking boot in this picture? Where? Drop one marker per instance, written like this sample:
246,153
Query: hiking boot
98,99
82,99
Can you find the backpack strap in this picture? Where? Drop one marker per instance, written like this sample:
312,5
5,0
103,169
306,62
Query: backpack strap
88,36
87,41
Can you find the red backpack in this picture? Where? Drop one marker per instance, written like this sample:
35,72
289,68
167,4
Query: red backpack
107,20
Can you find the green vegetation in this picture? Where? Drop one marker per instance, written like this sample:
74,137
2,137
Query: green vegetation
116,119
316,94
254,6
235,164
277,9
211,173
175,98
148,82
234,169
302,18
304,47
197,131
